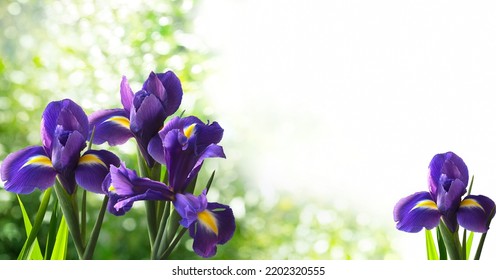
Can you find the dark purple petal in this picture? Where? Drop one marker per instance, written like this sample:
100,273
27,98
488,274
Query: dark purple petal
127,96
124,187
27,169
215,225
443,169
154,86
156,149
415,212
72,117
185,144
206,134
205,240
93,167
448,201
225,221
111,126
475,212
65,156
188,206
179,162
146,123
173,90
64,113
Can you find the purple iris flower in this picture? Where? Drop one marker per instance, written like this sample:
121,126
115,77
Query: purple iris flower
64,129
143,114
124,187
209,224
448,180
182,145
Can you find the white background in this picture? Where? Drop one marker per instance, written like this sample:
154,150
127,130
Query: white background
352,99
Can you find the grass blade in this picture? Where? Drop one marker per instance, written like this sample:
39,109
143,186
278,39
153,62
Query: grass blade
431,246
31,249
60,248
468,248
443,255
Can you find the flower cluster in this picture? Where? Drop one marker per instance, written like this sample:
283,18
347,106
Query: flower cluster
180,144
443,205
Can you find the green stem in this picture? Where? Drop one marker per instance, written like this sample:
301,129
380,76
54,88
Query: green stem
483,237
173,245
150,206
83,216
88,253
161,236
70,213
452,242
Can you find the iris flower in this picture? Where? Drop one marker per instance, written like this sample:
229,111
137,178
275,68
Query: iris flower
209,224
448,180
64,130
124,187
143,114
182,145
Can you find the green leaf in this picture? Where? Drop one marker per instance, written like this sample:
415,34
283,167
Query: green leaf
52,230
69,211
28,251
431,246
443,255
469,245
60,248
452,242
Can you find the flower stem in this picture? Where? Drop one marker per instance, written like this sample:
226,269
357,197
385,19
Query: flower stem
173,245
452,242
159,245
70,214
88,252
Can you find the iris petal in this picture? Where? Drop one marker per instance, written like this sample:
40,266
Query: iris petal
146,123
127,95
26,170
215,225
124,187
446,166
111,126
93,167
154,86
415,212
475,213
65,113
173,90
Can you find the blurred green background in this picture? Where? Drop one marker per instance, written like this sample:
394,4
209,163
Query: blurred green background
50,50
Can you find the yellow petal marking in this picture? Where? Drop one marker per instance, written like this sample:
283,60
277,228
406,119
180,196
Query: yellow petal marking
39,160
426,204
208,220
123,121
188,131
111,188
471,203
91,159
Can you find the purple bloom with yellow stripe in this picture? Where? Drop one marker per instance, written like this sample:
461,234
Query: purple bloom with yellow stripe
448,180
64,129
209,224
143,113
182,145
123,187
